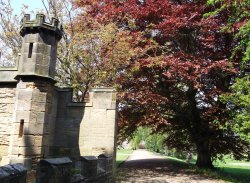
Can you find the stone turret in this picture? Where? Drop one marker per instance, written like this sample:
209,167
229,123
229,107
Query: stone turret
36,100
38,54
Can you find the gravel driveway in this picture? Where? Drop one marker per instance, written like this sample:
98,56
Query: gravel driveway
145,166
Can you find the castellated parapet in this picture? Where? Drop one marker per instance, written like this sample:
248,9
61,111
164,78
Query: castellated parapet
32,26
39,120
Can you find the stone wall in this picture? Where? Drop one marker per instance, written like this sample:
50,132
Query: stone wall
7,100
40,121
69,116
7,74
98,126
84,129
33,123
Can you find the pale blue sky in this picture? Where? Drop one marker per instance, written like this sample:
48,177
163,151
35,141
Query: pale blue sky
33,5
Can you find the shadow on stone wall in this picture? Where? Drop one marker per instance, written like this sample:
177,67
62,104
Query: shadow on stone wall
67,127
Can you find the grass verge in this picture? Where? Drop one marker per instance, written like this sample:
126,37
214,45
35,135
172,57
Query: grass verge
122,155
229,170
236,170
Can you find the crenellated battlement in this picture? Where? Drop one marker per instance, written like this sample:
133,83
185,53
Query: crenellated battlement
31,26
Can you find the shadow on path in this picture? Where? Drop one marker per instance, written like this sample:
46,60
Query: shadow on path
157,169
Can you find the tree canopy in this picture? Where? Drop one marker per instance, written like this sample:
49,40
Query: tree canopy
181,70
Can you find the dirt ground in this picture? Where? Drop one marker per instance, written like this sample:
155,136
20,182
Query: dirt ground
144,166
31,177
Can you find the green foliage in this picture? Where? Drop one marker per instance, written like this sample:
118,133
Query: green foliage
238,104
141,134
238,14
155,142
175,153
152,141
237,21
244,44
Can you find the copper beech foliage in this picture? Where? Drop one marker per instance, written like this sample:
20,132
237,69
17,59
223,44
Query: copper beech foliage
181,68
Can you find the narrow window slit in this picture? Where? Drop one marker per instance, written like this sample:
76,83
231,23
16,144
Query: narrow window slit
21,128
30,50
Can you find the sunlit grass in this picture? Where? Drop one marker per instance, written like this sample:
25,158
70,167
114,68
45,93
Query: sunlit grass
122,155
228,169
239,170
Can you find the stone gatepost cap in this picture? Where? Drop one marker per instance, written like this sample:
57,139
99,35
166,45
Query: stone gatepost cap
88,158
103,89
104,156
39,24
56,161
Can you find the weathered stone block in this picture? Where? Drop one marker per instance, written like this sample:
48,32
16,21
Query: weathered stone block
7,100
30,151
56,170
14,150
42,70
38,106
22,115
111,115
88,166
38,140
43,49
40,117
23,105
27,141
27,162
35,129
21,85
39,96
31,38
24,94
3,150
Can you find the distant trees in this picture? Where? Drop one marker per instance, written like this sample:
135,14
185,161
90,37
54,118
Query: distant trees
10,40
143,136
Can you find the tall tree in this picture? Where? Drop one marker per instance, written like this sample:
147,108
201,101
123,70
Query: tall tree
10,41
178,75
89,54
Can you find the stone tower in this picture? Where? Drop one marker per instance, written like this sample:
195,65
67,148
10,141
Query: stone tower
34,115
38,54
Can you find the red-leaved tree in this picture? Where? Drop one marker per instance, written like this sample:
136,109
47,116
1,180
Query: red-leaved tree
173,84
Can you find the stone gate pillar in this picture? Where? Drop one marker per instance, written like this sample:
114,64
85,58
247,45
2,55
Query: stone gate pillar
98,128
35,106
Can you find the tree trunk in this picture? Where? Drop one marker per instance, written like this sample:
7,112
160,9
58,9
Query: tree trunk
204,156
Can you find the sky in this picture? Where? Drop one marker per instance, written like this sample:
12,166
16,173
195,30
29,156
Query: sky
33,5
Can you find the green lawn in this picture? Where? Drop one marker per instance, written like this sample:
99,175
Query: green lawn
239,170
122,155
228,169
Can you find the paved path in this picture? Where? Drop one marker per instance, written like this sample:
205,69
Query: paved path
147,167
